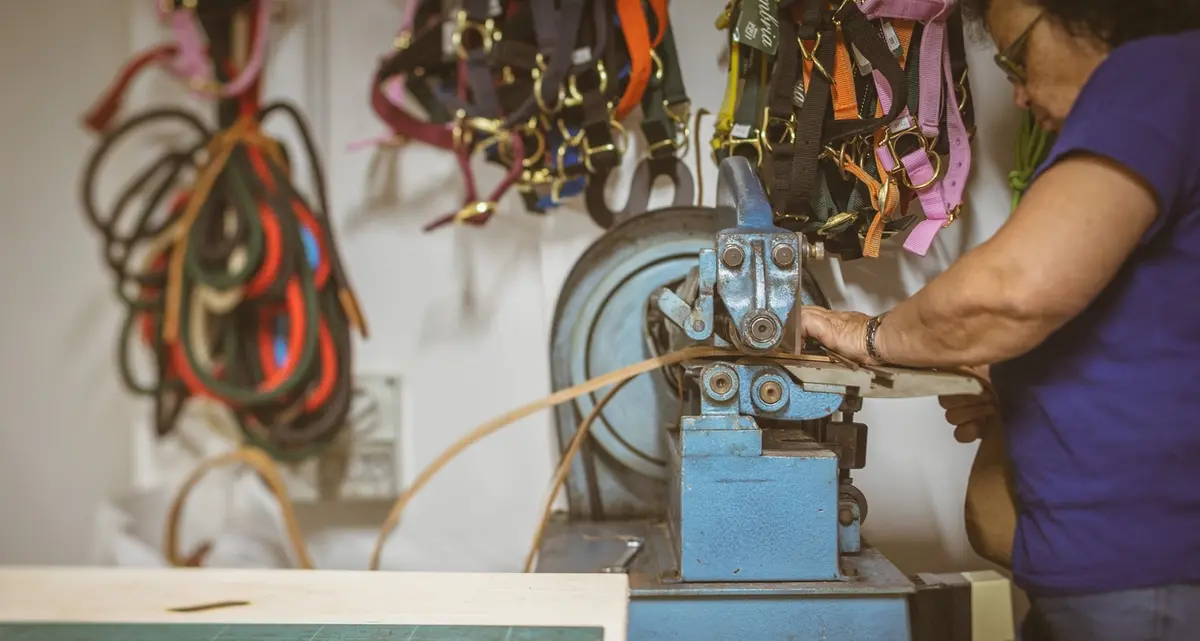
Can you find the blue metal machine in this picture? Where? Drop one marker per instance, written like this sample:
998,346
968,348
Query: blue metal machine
722,487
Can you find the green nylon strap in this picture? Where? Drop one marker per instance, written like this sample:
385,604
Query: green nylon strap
752,75
1033,145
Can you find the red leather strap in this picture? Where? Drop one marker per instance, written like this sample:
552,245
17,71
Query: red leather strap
407,125
100,115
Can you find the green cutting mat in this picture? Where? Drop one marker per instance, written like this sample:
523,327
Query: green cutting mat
266,632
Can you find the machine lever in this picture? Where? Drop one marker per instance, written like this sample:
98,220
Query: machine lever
632,548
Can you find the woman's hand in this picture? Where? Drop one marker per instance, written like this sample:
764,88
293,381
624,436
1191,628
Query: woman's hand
842,332
972,415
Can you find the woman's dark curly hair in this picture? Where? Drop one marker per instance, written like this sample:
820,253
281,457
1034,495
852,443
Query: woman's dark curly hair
1113,22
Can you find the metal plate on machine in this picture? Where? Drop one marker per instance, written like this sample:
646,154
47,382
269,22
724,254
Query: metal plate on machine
901,382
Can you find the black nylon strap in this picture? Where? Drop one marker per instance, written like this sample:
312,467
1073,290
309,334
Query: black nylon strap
674,90
810,126
779,129
556,33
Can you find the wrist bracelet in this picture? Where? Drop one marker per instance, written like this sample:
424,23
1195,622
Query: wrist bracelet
872,333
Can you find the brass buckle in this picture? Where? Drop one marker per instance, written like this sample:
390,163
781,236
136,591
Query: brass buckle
787,135
889,139
952,216
403,40
681,115
486,31
589,151
573,96
731,145
810,55
474,210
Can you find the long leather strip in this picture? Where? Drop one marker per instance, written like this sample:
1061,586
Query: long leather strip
268,471
557,398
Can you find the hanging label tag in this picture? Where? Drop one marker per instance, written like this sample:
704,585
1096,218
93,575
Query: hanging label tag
893,40
860,61
758,25
740,130
450,9
581,56
799,94
902,123
494,8
448,40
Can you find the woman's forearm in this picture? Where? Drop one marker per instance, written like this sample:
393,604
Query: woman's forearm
973,314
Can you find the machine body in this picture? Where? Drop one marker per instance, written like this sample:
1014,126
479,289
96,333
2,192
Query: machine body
746,524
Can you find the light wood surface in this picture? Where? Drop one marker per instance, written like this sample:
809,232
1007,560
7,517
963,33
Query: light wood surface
134,595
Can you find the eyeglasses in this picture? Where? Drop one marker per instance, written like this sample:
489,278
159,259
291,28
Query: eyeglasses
1012,60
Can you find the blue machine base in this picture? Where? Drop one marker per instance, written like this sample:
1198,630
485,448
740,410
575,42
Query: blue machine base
870,604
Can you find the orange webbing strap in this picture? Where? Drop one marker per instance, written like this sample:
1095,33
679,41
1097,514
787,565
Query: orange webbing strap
268,472
885,197
637,40
845,98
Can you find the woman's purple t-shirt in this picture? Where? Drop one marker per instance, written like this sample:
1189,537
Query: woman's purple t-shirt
1103,418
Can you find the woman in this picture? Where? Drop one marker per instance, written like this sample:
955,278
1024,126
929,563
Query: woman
1086,303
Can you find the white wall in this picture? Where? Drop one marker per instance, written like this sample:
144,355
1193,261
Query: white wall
461,315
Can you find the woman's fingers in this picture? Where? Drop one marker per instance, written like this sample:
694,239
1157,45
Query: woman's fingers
970,413
964,400
969,432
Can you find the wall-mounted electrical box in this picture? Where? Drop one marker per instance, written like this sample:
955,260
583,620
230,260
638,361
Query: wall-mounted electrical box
364,464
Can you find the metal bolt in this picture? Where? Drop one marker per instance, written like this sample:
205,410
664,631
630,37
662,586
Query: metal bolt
762,329
720,382
784,255
814,251
732,256
698,326
770,392
845,516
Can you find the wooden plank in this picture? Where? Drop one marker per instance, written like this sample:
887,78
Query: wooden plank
322,597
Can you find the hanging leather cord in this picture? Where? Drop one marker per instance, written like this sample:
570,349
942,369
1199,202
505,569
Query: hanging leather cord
230,276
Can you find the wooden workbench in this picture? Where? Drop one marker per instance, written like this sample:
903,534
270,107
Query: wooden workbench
101,604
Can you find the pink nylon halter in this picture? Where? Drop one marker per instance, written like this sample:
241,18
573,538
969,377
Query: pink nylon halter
939,198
